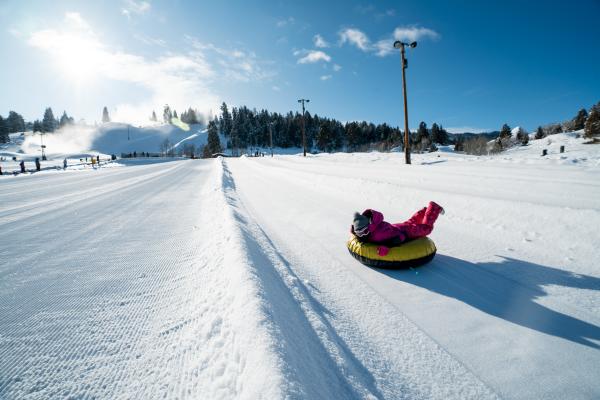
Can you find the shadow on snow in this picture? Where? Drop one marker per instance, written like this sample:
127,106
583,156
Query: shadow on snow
487,287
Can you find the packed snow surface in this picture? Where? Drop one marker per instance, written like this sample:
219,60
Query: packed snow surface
229,278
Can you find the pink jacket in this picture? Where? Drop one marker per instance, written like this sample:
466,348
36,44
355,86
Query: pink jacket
382,232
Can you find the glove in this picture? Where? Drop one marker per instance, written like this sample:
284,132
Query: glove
382,251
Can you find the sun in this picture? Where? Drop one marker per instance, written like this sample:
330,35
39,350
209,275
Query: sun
78,58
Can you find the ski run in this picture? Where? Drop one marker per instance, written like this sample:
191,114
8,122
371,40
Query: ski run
229,278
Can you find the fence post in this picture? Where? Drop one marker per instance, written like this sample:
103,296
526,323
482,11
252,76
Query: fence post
562,149
544,152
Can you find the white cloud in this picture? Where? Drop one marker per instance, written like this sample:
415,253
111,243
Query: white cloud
312,56
325,77
276,88
320,42
414,33
74,19
234,64
283,22
177,79
135,7
384,46
150,41
337,67
355,37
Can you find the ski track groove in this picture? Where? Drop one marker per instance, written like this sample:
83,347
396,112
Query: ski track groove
49,204
134,331
63,209
88,231
34,184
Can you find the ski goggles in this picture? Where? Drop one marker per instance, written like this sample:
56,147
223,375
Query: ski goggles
362,232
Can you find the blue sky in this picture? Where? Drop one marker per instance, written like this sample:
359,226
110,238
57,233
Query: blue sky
477,65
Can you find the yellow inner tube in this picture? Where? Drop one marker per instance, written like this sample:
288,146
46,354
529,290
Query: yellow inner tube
410,254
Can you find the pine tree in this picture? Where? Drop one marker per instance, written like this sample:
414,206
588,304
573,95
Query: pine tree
352,130
226,120
15,122
505,132
579,121
422,139
444,136
65,120
4,137
436,136
48,122
539,133
189,116
213,144
105,116
592,125
175,114
37,126
167,114
325,137
522,136
153,118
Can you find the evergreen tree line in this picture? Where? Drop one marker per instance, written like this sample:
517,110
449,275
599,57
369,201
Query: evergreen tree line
243,128
589,121
15,123
50,124
189,116
479,145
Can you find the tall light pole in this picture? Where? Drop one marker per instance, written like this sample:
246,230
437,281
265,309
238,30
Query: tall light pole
400,45
271,136
303,134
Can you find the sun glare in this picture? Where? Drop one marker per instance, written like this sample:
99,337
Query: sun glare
77,58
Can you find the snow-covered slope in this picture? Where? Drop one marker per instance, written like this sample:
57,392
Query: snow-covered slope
229,278
110,138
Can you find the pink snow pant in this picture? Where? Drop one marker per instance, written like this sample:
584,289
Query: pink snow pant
421,223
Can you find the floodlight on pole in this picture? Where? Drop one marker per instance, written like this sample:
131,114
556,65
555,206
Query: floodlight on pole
303,133
400,45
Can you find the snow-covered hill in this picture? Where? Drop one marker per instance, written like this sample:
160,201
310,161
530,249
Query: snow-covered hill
110,138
